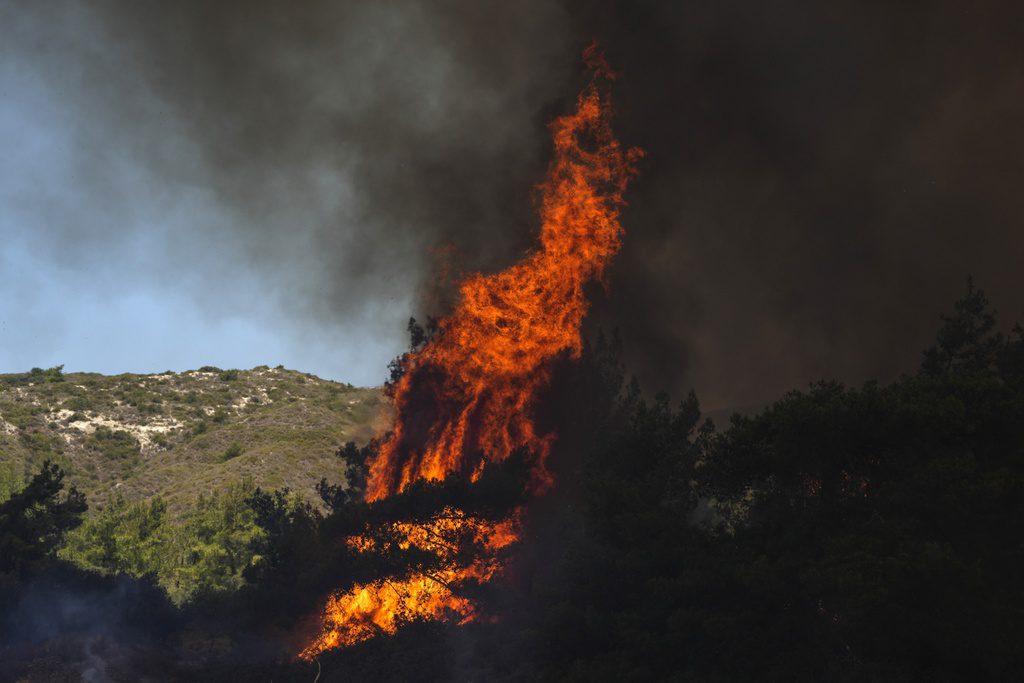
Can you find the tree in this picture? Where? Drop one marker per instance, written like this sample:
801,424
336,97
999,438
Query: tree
967,340
211,552
34,521
123,538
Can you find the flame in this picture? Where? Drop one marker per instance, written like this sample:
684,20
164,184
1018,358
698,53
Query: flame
467,396
471,389
379,607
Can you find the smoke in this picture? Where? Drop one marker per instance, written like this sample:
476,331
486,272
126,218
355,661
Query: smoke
64,624
820,178
296,165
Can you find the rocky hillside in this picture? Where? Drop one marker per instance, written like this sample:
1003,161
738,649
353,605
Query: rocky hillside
182,434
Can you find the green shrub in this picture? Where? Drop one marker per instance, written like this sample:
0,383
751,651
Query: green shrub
233,451
115,444
41,443
54,374
229,375
21,414
151,409
78,403
34,376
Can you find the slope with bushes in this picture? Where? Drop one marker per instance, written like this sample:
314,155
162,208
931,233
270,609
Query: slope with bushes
180,435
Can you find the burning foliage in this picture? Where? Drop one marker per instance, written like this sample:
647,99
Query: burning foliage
466,396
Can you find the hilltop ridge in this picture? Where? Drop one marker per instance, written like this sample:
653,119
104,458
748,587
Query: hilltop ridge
179,435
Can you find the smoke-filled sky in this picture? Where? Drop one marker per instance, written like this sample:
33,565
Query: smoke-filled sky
239,183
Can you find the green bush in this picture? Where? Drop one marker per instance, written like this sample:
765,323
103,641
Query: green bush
150,409
78,403
21,414
39,375
115,444
233,451
41,443
35,376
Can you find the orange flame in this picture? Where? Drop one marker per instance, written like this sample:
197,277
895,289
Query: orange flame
471,389
467,396
379,607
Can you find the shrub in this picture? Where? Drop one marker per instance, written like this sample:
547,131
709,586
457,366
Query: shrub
233,451
54,374
78,403
150,409
115,444
39,442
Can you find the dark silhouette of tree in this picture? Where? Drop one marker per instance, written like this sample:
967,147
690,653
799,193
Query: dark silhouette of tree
33,521
967,340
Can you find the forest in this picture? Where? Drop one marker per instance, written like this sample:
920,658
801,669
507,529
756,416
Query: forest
841,533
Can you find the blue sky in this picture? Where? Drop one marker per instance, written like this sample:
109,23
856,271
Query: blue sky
116,257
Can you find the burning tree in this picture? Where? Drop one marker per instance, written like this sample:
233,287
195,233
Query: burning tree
465,398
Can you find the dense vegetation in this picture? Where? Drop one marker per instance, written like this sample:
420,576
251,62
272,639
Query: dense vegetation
842,533
205,552
869,533
178,435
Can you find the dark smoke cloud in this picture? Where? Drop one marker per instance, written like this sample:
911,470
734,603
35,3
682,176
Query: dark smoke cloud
820,176
376,131
309,157
821,179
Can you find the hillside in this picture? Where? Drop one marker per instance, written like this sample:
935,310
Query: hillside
180,435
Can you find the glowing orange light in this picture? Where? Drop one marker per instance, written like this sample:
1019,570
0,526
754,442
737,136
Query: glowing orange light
467,397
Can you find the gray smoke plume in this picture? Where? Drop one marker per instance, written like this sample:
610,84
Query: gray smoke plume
309,160
820,179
